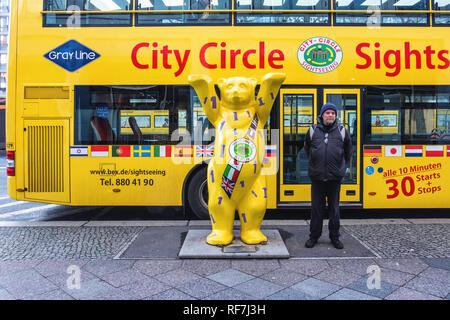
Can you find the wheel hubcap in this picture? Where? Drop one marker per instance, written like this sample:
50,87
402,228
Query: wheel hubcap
203,194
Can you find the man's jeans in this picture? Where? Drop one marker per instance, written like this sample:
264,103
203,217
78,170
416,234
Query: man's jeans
320,191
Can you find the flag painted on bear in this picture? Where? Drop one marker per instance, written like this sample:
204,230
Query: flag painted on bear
231,173
253,126
228,186
234,167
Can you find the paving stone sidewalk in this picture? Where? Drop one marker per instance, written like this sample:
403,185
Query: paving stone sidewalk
66,263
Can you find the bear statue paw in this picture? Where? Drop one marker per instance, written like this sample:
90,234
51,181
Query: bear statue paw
253,237
220,238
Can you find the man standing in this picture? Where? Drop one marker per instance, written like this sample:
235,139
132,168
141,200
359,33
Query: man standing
328,147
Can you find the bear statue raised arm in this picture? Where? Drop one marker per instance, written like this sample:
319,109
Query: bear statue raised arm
234,179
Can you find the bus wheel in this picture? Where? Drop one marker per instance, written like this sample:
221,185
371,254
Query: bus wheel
197,195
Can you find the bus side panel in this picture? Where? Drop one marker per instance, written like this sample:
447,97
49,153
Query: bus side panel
127,180
407,182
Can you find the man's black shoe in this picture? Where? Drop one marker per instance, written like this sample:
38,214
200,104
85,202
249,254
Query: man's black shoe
337,244
310,243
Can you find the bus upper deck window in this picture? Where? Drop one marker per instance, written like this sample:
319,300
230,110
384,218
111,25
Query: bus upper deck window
108,5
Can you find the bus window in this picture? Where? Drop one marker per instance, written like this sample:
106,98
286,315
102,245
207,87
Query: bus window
131,114
143,121
207,17
408,115
374,14
443,122
346,104
297,18
384,122
441,19
203,132
297,117
97,18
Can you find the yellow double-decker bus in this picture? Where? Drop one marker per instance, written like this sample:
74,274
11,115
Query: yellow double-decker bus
100,111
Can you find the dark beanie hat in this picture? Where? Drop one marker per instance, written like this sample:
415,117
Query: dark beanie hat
328,106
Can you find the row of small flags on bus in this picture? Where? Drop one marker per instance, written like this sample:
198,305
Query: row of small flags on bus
158,151
408,151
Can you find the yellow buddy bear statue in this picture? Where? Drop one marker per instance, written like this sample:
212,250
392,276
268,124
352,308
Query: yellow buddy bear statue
234,180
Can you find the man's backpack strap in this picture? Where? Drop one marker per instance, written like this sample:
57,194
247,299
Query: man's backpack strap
311,130
342,131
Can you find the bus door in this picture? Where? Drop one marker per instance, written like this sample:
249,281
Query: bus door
297,113
347,102
299,109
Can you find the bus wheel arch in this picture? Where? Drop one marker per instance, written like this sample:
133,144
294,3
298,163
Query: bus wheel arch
195,193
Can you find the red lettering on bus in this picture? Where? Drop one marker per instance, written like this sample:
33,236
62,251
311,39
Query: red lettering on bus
410,181
443,59
377,56
245,59
233,55
165,52
261,54
274,58
276,55
396,65
155,56
428,53
393,187
173,58
135,52
392,59
202,55
408,53
223,56
181,62
363,55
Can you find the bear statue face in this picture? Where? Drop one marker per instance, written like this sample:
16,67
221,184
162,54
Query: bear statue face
237,92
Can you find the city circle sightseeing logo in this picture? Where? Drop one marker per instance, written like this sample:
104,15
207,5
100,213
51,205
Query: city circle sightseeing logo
319,55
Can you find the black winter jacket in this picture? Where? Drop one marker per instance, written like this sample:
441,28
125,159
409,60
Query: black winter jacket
327,161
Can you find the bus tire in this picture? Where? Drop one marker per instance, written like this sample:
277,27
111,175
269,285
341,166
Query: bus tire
197,195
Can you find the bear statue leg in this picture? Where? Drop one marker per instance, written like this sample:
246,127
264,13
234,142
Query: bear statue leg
251,213
221,212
